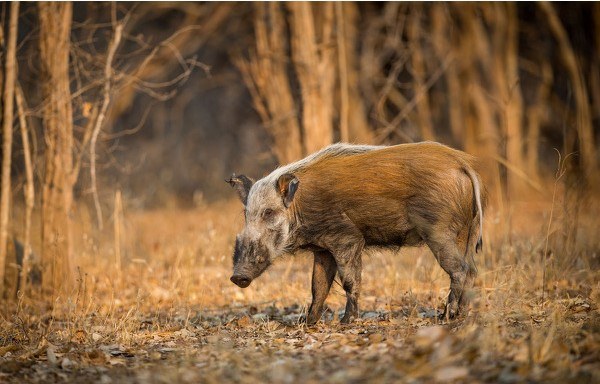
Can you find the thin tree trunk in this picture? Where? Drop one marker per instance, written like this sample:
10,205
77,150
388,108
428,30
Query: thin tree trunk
508,85
29,192
343,72
358,126
419,73
266,76
7,128
584,116
442,43
534,119
595,64
57,191
314,63
481,132
110,55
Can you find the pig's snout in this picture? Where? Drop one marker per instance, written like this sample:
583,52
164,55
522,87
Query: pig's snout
241,281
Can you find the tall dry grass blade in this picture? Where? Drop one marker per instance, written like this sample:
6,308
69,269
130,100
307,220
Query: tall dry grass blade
117,214
560,171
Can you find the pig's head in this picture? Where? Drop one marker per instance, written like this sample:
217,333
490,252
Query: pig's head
268,222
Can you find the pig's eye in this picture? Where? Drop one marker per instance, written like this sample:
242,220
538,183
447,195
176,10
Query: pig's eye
267,214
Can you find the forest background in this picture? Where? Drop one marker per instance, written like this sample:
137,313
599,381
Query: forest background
120,122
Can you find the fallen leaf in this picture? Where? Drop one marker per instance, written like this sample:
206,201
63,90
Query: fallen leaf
66,363
51,355
116,361
79,337
376,338
426,337
96,356
243,322
451,373
8,348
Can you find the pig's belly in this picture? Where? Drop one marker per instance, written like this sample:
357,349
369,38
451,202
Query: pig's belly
377,236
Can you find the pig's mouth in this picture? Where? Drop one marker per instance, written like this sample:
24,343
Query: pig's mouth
241,281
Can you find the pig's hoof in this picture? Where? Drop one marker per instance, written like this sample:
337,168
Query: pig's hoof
348,318
312,320
308,319
448,314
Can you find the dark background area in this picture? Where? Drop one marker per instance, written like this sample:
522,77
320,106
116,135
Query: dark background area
188,144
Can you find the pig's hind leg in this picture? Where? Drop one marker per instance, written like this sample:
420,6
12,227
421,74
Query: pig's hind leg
452,261
467,243
324,269
350,269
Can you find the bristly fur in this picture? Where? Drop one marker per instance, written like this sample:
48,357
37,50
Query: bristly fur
346,197
331,151
382,188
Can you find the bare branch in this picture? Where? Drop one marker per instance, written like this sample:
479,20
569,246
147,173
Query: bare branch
385,132
133,130
112,48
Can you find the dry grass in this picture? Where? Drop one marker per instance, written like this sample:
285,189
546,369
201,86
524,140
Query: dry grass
171,315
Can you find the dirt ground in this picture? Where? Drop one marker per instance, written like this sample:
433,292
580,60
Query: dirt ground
166,311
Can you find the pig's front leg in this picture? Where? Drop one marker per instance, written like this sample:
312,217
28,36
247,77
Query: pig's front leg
324,270
346,243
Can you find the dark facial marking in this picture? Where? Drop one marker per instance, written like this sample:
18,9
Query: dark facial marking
278,238
237,251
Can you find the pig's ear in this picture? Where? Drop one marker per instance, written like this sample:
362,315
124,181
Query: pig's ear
287,185
242,185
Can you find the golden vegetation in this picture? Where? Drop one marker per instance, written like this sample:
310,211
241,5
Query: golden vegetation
170,313
147,297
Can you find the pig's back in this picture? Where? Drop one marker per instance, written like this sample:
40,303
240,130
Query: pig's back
384,191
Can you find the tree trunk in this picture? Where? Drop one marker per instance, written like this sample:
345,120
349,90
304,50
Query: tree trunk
535,113
7,128
358,126
509,89
583,113
442,40
481,129
57,190
28,190
313,62
594,73
419,73
266,76
343,71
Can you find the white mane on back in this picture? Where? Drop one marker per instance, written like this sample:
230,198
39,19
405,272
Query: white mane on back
267,183
334,150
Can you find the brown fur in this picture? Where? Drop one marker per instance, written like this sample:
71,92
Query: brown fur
344,198
402,195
